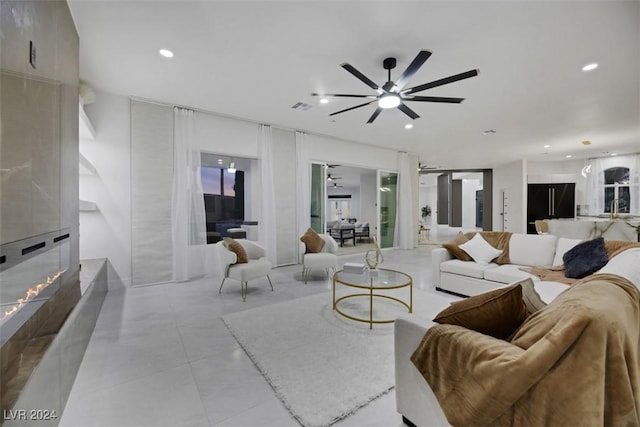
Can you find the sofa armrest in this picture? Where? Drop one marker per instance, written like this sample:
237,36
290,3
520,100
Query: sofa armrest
414,399
438,256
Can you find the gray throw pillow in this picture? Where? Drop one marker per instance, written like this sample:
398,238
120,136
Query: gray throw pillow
585,258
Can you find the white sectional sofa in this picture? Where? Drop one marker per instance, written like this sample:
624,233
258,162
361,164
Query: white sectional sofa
415,401
469,278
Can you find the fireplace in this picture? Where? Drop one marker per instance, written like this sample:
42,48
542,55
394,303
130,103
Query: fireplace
37,292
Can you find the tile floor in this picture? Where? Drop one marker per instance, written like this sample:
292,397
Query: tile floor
161,356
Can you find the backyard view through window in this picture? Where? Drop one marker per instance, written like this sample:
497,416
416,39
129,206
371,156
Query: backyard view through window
616,190
223,199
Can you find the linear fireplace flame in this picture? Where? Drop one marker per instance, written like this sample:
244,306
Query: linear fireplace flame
30,294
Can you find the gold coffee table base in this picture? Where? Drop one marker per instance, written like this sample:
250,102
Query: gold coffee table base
341,278
370,320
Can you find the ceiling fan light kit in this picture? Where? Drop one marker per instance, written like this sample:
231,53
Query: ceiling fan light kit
389,101
392,94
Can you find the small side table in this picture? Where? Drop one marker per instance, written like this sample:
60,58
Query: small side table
423,234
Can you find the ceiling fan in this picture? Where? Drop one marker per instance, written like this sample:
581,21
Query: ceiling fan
392,94
332,178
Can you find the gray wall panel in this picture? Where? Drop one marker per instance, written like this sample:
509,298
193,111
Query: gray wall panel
151,188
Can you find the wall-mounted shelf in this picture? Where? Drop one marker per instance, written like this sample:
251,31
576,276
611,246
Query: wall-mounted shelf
86,167
86,130
87,206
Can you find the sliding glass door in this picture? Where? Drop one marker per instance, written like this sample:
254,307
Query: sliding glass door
387,201
318,190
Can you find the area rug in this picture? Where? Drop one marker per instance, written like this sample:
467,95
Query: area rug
324,367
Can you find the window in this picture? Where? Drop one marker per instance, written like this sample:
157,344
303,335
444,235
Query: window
223,195
616,190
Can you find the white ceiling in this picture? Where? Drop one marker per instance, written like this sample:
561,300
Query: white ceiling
254,60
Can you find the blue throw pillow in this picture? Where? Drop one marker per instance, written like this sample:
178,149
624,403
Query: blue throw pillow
585,258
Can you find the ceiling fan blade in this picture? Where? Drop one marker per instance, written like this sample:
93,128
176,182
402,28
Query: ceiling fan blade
344,95
351,108
415,65
436,83
434,99
366,80
408,111
374,115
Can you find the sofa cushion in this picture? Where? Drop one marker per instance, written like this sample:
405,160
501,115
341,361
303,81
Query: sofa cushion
454,247
497,313
312,240
625,264
562,247
535,250
548,291
481,251
507,273
238,249
585,258
465,268
251,270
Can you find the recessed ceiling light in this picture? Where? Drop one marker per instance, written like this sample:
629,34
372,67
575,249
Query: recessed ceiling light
408,126
568,156
546,146
324,101
166,53
614,154
590,67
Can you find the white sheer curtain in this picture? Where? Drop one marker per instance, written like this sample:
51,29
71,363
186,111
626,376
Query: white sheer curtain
267,223
188,224
595,181
303,185
406,217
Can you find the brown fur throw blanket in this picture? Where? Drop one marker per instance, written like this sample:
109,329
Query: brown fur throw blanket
573,363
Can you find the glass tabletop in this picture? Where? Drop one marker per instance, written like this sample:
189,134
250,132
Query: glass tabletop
379,278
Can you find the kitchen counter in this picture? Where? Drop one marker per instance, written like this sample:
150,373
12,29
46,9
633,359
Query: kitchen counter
592,227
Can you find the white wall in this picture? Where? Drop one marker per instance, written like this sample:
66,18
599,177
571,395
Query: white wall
510,179
111,187
106,233
325,149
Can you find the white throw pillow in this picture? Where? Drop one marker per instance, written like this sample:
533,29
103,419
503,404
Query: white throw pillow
563,246
480,250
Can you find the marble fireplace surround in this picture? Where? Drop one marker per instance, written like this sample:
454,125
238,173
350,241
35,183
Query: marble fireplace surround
43,335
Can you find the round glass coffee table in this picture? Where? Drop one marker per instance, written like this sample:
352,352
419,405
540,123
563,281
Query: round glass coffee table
376,283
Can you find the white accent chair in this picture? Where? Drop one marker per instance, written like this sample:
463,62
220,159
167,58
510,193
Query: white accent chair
258,266
326,259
